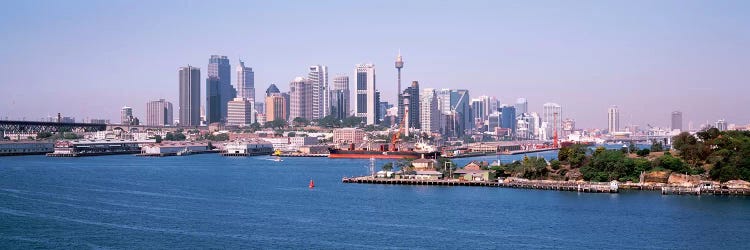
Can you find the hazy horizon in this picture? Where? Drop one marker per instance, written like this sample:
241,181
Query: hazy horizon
87,59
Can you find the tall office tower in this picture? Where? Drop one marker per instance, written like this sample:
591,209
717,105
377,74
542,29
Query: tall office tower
677,120
522,106
444,100
721,125
300,99
245,82
219,90
159,113
460,104
321,99
414,112
429,113
508,118
364,96
272,90
483,106
613,119
240,112
287,99
548,117
399,65
494,105
260,107
126,114
341,84
477,108
276,107
378,116
190,94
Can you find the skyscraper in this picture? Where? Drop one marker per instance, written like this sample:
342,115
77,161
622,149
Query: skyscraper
245,82
364,98
508,118
459,102
126,114
340,97
190,94
412,92
219,90
482,106
321,99
272,90
300,99
429,112
721,125
522,106
548,118
276,107
240,112
677,120
159,113
613,119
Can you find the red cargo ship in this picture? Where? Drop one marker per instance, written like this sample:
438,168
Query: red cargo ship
383,153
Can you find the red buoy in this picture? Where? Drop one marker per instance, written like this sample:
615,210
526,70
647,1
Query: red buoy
312,184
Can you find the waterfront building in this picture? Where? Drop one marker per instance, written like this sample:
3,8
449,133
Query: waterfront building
364,96
348,136
126,115
340,106
522,106
159,113
190,95
300,99
173,148
721,125
276,107
245,82
8,148
548,117
613,119
247,148
321,100
412,94
429,111
219,90
677,120
291,143
240,112
93,147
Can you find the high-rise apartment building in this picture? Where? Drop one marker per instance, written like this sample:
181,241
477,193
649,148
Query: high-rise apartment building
190,94
240,112
522,106
677,120
613,119
459,102
300,99
429,112
321,99
276,107
722,125
126,115
159,113
340,96
508,118
219,90
548,118
245,82
364,96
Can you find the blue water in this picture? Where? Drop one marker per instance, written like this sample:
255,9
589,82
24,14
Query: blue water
206,201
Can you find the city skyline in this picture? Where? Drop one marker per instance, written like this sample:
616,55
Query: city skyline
646,66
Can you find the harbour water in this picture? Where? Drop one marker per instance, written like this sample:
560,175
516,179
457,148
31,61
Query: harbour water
209,201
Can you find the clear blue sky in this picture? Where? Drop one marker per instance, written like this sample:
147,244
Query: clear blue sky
89,58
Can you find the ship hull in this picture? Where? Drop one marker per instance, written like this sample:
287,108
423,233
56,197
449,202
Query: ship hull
367,154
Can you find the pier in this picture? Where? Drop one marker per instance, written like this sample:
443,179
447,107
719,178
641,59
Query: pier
543,185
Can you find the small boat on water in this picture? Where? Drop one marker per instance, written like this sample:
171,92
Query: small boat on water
312,184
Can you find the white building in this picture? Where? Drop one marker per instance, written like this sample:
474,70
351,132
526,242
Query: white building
240,112
549,111
522,106
159,113
430,113
348,135
126,115
364,96
291,143
245,82
300,99
613,119
242,148
168,148
321,97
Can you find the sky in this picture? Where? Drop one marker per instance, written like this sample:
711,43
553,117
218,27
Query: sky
87,59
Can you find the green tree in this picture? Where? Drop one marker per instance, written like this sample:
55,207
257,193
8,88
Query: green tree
329,121
43,135
554,164
158,138
299,121
351,122
388,166
657,147
643,152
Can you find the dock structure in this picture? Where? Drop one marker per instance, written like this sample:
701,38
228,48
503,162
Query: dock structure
678,190
543,185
